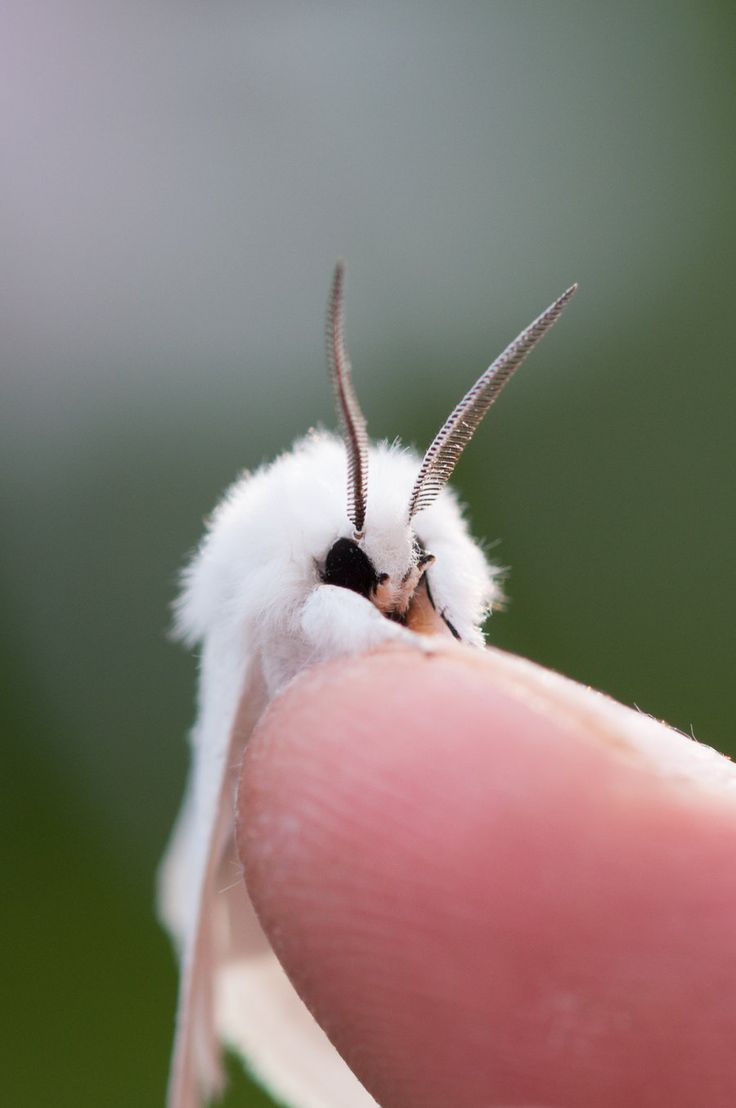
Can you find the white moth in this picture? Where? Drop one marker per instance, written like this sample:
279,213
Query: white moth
289,573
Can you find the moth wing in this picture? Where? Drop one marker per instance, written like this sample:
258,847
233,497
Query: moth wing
261,1016
191,903
233,988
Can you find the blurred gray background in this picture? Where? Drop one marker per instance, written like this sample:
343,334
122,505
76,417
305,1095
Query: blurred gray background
177,181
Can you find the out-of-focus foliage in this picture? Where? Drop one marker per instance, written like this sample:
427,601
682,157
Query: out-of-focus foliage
178,181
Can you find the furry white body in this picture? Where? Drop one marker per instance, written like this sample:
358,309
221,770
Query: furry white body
293,572
253,599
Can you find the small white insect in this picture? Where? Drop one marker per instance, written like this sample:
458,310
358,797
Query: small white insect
290,574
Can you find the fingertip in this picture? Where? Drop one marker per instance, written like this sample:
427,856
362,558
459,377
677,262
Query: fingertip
483,893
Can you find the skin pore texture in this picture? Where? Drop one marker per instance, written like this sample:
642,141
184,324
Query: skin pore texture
494,887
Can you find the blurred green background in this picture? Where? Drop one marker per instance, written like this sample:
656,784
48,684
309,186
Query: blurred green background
178,181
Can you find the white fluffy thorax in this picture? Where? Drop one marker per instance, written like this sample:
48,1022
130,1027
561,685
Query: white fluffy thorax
266,544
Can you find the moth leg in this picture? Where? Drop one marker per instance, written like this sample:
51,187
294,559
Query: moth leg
336,621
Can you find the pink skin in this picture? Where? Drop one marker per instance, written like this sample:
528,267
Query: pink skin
487,903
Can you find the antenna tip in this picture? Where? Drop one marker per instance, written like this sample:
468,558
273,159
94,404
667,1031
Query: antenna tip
561,302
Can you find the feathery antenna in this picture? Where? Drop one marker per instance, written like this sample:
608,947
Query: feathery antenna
451,440
351,417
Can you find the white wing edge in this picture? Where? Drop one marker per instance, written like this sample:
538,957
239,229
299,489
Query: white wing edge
261,1017
232,987
189,901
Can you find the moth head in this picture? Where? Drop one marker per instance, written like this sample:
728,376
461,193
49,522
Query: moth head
388,564
387,575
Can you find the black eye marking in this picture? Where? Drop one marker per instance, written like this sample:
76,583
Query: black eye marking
348,567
